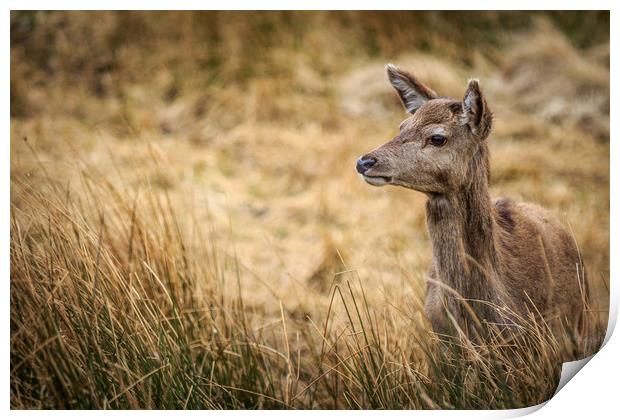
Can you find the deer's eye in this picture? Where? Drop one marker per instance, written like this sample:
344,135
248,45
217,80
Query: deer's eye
437,140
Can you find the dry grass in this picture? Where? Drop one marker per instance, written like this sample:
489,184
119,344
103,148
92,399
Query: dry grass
188,231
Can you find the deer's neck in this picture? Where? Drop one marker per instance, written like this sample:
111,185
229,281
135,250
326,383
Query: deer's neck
462,231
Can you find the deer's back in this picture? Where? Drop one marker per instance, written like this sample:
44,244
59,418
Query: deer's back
540,260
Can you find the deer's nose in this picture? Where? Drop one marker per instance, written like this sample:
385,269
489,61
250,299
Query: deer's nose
364,164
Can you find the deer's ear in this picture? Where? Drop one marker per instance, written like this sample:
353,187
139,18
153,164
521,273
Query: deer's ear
476,113
412,92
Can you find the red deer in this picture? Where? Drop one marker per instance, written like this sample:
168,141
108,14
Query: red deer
490,258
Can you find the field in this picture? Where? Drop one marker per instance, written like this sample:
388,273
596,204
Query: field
188,229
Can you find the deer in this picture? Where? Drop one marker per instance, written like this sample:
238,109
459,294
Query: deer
493,261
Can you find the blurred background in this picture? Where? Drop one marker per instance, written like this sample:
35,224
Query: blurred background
255,120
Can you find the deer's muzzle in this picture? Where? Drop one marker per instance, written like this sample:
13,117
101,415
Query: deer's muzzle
364,164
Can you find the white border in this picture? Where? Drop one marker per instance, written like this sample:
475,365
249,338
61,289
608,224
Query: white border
309,5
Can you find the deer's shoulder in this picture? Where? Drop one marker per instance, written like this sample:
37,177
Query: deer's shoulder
525,225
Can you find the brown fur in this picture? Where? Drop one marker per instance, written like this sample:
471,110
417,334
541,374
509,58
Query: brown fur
486,255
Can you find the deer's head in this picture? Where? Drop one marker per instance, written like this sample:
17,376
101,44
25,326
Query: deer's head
431,153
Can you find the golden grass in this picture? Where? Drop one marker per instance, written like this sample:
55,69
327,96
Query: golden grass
188,231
